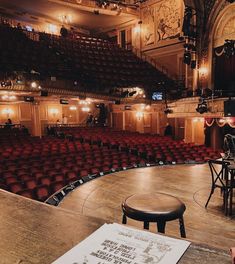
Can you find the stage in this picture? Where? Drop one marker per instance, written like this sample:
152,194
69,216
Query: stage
34,232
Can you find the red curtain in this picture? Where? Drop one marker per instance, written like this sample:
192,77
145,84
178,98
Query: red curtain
224,77
220,121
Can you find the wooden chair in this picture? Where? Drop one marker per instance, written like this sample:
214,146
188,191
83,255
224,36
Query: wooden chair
219,179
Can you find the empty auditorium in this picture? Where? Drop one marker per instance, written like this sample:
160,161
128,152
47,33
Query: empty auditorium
117,131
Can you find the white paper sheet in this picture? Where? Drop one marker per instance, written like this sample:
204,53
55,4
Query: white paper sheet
119,244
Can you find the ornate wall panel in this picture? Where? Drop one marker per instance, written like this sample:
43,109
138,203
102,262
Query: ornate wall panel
148,28
168,19
161,21
25,112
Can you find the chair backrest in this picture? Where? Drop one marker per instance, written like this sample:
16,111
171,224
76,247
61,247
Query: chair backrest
219,172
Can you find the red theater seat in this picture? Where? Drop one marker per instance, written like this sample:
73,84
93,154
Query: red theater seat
42,192
56,186
27,193
15,187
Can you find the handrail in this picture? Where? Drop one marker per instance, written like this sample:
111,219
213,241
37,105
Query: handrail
152,61
10,125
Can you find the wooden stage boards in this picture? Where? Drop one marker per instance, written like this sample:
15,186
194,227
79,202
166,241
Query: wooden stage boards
34,232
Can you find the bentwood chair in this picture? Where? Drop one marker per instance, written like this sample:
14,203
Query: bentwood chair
220,179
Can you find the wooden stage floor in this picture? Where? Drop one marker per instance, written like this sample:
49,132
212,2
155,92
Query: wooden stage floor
103,196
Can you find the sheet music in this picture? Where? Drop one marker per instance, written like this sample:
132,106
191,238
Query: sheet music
119,244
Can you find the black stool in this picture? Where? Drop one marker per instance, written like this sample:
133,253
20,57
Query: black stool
154,207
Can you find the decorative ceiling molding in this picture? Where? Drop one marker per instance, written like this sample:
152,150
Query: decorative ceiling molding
215,11
90,5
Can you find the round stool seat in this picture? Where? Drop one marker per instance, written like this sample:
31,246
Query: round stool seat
154,207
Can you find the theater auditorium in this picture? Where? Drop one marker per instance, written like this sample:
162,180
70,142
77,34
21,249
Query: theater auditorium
116,112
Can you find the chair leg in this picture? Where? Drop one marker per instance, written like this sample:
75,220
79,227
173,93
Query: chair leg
146,225
225,197
182,228
124,219
231,193
161,226
212,191
231,202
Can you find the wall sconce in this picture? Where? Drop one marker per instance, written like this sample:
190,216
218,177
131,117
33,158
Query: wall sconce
52,29
66,19
143,106
147,107
73,108
54,111
12,97
139,115
203,71
136,29
84,102
7,112
86,109
7,97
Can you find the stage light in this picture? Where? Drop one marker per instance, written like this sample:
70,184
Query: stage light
187,57
132,93
168,111
188,13
34,85
193,64
202,107
229,48
125,93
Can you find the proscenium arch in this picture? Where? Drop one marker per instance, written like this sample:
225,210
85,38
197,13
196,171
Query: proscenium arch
220,21
225,17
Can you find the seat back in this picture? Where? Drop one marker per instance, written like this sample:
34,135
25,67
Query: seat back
219,172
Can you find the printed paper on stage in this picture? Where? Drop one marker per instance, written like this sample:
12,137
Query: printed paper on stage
118,244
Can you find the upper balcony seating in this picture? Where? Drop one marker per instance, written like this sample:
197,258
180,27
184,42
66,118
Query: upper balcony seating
97,64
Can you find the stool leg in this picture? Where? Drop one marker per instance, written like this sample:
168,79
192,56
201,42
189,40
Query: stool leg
146,225
124,220
182,229
161,226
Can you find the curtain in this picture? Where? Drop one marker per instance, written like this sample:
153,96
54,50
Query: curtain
209,121
221,122
224,69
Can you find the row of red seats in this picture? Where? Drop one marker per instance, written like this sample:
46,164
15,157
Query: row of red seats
31,176
147,146
111,151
